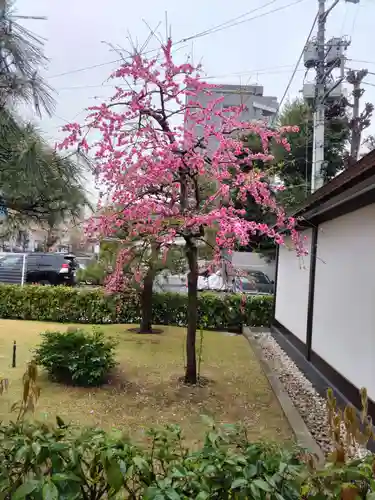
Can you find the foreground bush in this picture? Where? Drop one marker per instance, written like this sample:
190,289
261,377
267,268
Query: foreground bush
37,461
69,305
76,357
42,462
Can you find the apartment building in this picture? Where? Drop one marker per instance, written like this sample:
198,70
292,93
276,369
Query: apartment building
257,106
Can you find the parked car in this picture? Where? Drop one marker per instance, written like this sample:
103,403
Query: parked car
255,282
213,282
42,268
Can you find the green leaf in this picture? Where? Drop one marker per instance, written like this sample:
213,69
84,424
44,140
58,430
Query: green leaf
50,492
280,497
203,495
21,453
250,471
61,447
25,489
68,476
114,476
153,493
172,494
262,485
36,448
141,463
240,482
179,471
254,490
282,467
212,437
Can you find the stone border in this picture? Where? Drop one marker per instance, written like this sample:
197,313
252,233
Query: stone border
296,422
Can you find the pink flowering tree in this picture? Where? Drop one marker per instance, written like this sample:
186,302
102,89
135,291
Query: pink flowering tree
158,150
145,260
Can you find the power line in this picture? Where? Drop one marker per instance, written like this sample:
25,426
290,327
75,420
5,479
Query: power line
355,18
222,25
197,35
258,71
82,87
213,30
296,67
208,32
261,71
361,61
78,70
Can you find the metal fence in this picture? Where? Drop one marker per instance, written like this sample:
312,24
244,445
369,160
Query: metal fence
12,268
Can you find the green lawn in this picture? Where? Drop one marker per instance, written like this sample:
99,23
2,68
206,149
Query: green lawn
147,391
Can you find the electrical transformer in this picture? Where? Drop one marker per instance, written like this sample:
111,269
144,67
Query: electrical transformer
309,91
335,94
310,55
335,51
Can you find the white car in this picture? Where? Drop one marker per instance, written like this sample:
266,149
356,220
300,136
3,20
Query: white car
213,282
255,282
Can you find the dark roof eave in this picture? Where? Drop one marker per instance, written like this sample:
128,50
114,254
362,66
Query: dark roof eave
352,176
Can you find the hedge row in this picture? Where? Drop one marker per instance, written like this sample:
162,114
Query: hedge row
69,305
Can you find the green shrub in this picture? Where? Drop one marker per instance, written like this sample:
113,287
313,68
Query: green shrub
39,462
70,305
95,274
76,356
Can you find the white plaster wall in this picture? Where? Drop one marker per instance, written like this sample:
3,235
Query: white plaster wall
344,304
293,287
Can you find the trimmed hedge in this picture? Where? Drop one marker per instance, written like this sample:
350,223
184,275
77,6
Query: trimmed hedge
70,305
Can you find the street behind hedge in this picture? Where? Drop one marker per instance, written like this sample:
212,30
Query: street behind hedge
146,390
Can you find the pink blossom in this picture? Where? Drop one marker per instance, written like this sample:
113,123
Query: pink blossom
151,168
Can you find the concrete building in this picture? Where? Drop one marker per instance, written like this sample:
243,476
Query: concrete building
257,106
324,313
33,237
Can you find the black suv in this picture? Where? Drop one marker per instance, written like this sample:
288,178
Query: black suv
40,268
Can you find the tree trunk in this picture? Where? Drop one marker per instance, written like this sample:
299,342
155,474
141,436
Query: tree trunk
146,303
50,240
192,313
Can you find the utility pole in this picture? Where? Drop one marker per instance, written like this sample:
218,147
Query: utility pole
323,58
318,117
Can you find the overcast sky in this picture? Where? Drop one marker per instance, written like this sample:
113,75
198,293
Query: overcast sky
262,50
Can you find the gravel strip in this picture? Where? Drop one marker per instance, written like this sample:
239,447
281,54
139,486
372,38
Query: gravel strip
311,406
